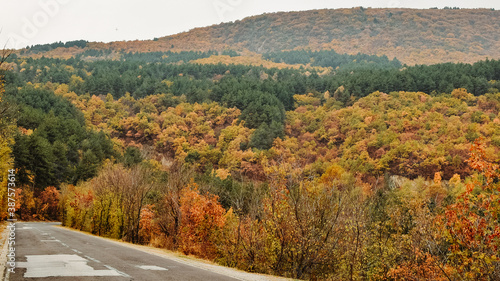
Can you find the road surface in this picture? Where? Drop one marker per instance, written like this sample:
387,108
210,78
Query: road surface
47,252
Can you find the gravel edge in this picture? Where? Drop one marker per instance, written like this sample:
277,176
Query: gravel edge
4,249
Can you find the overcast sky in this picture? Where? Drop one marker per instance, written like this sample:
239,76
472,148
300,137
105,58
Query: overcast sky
29,22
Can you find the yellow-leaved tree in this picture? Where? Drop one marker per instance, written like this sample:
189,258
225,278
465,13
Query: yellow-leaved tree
6,139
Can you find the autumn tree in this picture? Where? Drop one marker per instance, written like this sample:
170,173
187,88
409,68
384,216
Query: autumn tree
149,230
202,217
402,239
167,210
314,227
49,203
471,225
6,134
77,203
120,195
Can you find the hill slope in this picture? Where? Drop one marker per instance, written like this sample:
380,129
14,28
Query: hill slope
412,36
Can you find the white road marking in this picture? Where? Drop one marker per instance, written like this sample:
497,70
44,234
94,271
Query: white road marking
76,251
120,272
55,240
92,259
151,267
39,266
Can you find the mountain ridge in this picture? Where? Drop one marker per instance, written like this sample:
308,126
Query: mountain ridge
413,36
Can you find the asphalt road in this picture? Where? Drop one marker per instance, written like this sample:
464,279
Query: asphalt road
47,252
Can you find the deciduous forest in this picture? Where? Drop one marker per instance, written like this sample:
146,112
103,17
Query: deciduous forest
414,36
310,164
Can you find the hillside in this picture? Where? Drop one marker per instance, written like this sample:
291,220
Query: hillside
412,36
249,145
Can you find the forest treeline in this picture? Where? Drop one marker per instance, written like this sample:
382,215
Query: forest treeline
366,172
330,58
141,78
40,48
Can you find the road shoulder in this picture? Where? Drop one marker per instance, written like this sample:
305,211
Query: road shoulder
3,249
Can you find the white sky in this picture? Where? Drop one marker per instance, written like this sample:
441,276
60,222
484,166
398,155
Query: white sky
29,22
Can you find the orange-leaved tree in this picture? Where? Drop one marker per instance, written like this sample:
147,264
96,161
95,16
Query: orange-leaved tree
148,227
49,203
202,217
472,224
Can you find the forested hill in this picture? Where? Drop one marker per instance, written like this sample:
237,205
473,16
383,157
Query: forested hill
412,36
304,163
